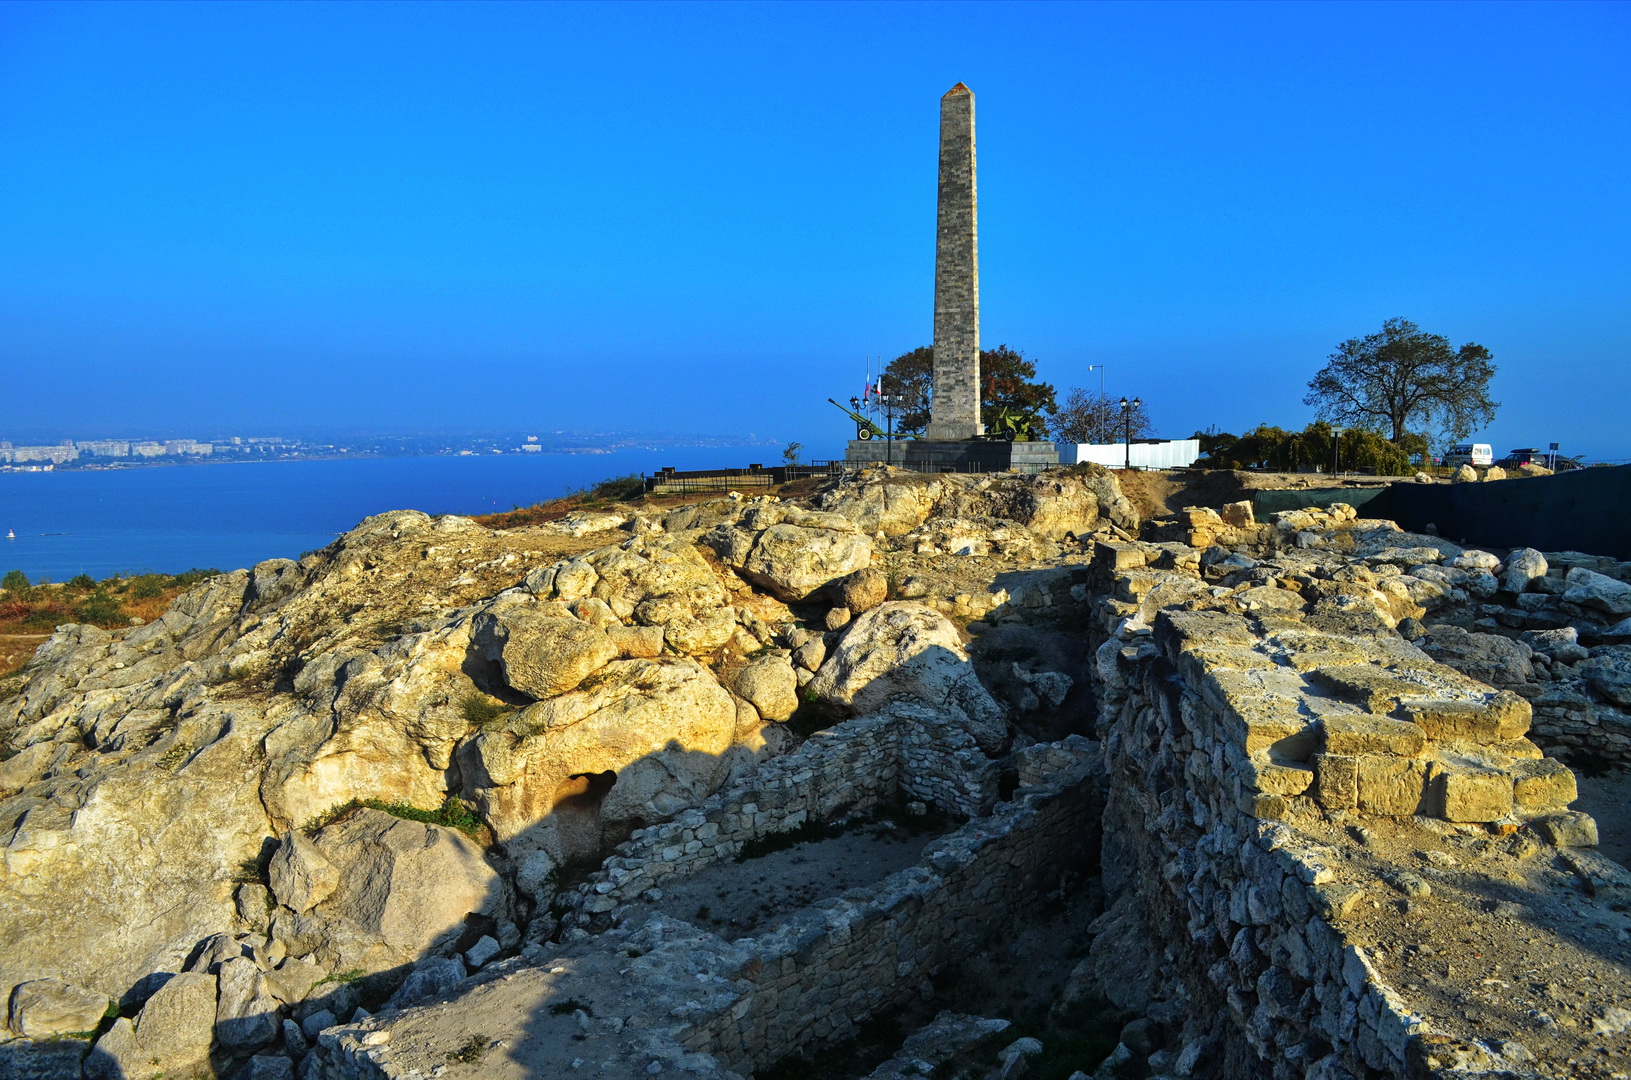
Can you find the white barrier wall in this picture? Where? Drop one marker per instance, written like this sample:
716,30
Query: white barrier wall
1171,454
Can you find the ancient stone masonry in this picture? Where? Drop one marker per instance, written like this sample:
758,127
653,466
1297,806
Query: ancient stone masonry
907,750
707,1007
956,405
1274,776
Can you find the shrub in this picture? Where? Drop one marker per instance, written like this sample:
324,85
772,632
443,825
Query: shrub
619,488
15,581
193,577
481,710
454,813
146,587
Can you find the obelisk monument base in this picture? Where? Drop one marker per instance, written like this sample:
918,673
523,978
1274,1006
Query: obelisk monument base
955,455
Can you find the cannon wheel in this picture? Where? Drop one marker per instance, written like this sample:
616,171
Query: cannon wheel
864,434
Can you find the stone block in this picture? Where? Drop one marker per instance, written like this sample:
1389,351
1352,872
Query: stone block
1545,784
1501,716
1474,794
1569,829
1369,685
1392,785
1275,779
1337,777
1361,734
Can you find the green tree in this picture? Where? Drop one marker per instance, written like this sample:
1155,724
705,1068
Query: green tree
792,452
1403,376
15,581
1007,380
1092,417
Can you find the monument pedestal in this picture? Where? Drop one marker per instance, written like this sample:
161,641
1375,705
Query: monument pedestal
954,455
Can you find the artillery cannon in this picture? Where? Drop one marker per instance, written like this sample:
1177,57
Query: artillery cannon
865,429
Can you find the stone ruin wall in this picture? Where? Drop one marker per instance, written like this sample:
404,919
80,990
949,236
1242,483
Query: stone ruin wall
831,967
1220,734
720,1008
909,750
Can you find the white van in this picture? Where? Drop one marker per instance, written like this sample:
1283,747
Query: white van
1470,453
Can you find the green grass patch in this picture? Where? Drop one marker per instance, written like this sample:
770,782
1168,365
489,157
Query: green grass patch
482,711
454,813
473,1050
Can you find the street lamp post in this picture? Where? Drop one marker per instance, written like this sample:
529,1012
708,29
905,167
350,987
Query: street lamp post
888,401
1127,411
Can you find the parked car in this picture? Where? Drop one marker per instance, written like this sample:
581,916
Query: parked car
1470,454
1525,456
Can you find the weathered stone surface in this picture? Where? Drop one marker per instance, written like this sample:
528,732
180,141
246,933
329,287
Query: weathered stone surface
246,1013
862,590
1523,566
1466,474
1391,785
1599,591
300,876
118,1055
956,405
1544,784
405,889
905,648
794,562
1476,795
660,726
1490,658
177,1023
544,656
769,684
45,1008
1497,718
1608,673
1357,734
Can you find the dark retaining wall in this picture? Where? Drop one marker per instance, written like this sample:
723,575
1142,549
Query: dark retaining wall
1581,510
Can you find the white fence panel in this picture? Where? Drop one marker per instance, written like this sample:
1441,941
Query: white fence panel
1170,454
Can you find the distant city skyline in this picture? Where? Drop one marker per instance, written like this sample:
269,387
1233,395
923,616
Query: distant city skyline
713,217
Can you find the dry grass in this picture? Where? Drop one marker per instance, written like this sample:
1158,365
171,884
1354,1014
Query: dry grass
29,614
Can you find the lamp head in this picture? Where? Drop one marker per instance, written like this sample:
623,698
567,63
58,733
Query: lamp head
1123,403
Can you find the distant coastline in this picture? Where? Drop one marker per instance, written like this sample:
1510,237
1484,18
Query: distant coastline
116,455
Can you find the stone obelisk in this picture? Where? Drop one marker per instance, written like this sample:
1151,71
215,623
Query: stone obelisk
955,410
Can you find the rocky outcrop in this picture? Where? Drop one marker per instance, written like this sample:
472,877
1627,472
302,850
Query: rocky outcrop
903,649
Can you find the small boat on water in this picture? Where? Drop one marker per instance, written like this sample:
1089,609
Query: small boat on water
11,534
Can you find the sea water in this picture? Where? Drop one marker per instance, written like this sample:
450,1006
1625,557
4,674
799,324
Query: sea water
170,518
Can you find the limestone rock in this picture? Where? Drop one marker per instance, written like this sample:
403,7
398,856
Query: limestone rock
793,562
768,682
118,1055
1594,590
1494,472
246,1012
1529,468
837,618
428,979
405,888
891,503
1489,658
301,878
1523,566
656,727
268,1067
862,590
1562,644
45,1008
544,656
905,648
1466,474
1608,673
177,1024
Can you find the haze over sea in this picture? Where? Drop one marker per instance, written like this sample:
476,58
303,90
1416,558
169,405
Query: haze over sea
167,519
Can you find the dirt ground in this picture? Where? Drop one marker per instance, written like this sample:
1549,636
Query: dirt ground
1492,938
1163,492
737,900
1608,799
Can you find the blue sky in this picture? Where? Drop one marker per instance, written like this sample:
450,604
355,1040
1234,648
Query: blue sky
221,218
